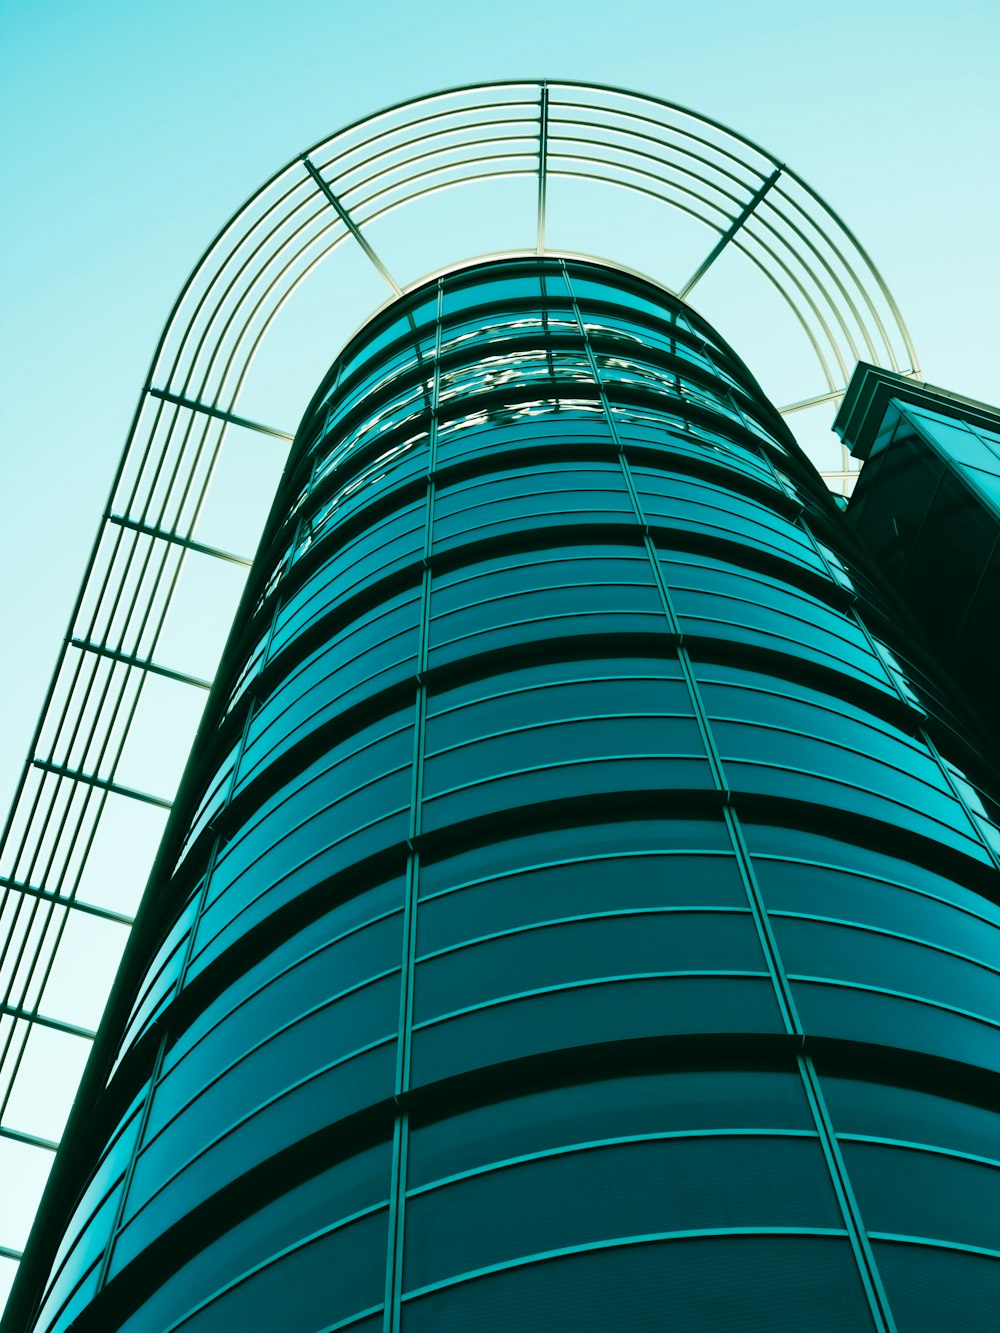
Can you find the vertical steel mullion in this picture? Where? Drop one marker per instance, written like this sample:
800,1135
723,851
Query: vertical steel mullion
265,657
957,793
117,1222
803,525
327,417
836,1168
206,881
857,1232
238,757
762,921
784,995
412,883
744,863
784,484
859,622
543,164
400,1147
716,766
781,987
395,1228
301,520
714,761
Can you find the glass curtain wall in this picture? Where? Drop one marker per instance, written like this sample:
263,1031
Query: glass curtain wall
928,507
580,908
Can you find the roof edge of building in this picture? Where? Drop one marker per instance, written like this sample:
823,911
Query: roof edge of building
872,388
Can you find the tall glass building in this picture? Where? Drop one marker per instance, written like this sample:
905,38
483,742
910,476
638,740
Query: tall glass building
928,508
580,910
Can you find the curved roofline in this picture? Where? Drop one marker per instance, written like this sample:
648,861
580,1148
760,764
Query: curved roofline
544,130
515,256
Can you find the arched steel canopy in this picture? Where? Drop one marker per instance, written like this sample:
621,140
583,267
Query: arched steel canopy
343,191
546,131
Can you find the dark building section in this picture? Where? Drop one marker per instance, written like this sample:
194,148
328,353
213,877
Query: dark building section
928,506
580,909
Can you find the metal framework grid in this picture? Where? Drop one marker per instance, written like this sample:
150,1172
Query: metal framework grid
548,131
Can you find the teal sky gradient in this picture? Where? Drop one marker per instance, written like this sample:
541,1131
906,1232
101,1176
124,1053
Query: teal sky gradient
133,131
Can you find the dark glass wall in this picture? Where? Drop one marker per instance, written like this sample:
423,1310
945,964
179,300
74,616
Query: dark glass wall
927,505
580,909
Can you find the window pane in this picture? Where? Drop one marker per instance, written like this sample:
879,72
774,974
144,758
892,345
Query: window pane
605,884
930,1290
632,1189
907,1192
615,1107
557,955
580,1016
775,1284
885,1111
313,1206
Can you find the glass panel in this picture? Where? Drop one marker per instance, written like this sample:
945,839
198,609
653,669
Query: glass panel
558,743
616,1107
795,886
557,844
314,1206
296,1291
849,953
774,1284
632,1189
508,709
604,947
534,789
380,905
798,844
882,1110
887,1020
377,649
935,1289
329,974
290,1117
904,1191
611,1011
577,887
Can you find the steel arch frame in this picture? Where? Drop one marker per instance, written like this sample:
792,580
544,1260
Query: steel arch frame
545,130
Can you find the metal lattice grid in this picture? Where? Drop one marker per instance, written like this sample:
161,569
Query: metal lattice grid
64,834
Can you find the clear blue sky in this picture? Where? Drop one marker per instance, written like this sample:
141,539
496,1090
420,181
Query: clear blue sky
132,131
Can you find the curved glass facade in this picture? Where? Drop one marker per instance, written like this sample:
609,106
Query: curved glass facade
579,912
